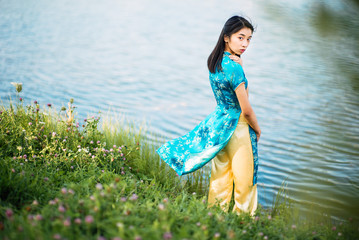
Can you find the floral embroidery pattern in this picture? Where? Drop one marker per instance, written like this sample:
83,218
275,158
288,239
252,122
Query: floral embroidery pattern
195,149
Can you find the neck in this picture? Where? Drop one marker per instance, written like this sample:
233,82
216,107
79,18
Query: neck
227,49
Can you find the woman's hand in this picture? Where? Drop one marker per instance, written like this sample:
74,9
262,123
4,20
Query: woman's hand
236,59
258,135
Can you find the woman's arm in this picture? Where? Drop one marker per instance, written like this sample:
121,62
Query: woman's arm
247,110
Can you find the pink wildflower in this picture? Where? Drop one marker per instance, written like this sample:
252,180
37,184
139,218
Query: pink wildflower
9,213
89,219
78,221
56,236
134,197
67,222
64,191
62,209
167,235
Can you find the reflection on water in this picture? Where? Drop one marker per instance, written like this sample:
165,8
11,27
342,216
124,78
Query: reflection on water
137,59
339,22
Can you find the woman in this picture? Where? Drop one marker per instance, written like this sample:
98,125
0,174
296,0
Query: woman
230,133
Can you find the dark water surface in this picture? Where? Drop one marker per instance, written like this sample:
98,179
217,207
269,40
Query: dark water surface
147,60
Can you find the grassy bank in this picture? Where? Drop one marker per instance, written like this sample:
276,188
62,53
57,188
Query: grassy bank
63,178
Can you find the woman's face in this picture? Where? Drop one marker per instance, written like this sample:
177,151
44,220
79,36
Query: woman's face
238,42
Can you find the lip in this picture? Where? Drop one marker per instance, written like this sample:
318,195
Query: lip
242,50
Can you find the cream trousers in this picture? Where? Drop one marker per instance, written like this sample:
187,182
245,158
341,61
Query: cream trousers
234,163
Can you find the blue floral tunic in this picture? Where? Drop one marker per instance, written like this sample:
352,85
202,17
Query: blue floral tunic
195,149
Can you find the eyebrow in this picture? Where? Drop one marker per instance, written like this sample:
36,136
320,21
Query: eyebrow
245,35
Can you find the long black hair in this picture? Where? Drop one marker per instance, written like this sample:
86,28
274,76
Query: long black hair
233,25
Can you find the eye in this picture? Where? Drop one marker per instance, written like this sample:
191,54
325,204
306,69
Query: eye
240,38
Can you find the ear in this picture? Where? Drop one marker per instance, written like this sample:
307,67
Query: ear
226,38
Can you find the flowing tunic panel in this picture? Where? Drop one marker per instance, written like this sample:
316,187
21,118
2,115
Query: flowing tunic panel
195,149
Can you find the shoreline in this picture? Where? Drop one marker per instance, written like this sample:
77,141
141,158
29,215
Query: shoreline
65,179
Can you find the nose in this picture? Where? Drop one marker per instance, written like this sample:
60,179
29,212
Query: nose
245,44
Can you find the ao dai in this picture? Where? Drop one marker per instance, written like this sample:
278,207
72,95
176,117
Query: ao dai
195,149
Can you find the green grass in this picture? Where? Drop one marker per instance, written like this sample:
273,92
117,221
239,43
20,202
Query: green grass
102,180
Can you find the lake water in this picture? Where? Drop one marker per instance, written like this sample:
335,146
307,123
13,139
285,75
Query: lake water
147,60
